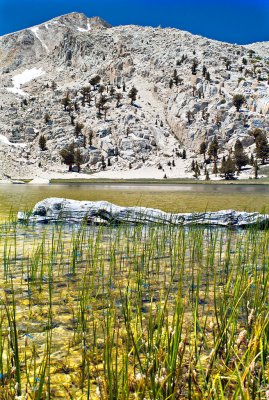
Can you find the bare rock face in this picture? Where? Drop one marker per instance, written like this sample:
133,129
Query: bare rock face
32,45
185,89
101,212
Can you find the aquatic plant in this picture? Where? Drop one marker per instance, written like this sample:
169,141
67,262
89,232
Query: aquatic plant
148,312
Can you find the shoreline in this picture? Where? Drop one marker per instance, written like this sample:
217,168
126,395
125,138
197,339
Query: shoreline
140,181
155,182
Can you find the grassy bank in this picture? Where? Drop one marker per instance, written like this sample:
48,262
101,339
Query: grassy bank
133,312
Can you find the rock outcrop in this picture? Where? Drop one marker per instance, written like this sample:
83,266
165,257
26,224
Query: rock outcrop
101,212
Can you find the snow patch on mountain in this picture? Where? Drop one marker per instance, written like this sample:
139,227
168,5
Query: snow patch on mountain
35,32
85,30
26,76
4,140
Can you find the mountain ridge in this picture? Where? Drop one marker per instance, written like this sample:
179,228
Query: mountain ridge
108,25
55,19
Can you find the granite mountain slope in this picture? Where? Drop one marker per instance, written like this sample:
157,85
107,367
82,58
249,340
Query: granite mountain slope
185,85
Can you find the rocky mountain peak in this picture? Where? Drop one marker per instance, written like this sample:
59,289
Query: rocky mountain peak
30,45
79,21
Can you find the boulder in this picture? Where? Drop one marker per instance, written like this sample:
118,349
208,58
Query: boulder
64,210
95,156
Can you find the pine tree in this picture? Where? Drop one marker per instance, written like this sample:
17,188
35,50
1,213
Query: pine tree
78,128
203,147
42,143
101,89
262,147
84,141
238,101
215,168
175,77
89,99
132,95
78,159
228,168
207,76
228,65
118,98
196,171
72,119
68,155
189,116
256,169
194,66
213,148
95,81
240,157
103,163
105,109
90,135
251,53
85,92
112,91
184,154
101,103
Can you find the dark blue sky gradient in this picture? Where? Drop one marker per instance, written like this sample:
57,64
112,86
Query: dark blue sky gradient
234,21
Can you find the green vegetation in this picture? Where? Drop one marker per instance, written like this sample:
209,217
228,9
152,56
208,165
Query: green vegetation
42,143
132,94
240,157
262,146
68,155
151,312
228,168
238,101
203,148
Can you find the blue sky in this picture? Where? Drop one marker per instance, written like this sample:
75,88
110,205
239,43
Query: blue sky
234,21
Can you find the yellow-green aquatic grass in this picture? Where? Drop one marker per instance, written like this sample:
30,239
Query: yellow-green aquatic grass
133,312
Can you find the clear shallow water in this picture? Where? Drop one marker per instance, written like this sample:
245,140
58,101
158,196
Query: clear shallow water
173,198
103,271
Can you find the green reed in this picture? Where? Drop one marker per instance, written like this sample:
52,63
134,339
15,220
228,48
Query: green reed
126,312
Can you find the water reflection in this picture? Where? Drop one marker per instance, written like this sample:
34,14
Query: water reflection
173,198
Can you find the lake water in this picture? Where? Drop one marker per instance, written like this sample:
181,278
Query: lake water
72,286
173,198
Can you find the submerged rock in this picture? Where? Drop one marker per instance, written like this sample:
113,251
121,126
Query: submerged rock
101,212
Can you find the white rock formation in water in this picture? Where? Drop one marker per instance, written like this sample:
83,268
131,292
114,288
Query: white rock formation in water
102,212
